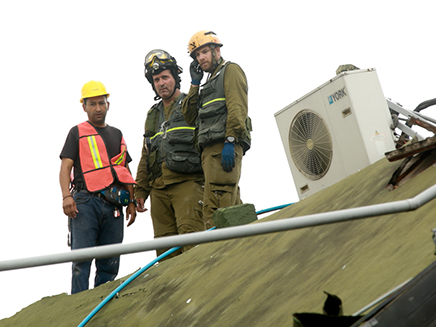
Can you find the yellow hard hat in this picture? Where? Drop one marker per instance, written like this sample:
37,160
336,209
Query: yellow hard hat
202,38
93,89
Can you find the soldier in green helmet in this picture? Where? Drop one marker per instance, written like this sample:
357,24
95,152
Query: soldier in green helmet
170,167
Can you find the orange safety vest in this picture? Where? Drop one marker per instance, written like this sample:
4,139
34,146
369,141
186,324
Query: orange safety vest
98,171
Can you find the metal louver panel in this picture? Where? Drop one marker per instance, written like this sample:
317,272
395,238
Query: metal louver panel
310,144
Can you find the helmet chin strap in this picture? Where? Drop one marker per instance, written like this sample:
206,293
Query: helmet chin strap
157,97
215,62
177,86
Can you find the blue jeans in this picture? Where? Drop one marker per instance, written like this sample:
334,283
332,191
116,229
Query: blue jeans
95,224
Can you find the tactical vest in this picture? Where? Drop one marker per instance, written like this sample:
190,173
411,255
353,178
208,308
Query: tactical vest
171,141
98,171
212,113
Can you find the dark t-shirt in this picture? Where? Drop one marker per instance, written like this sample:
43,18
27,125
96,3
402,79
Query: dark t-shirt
111,137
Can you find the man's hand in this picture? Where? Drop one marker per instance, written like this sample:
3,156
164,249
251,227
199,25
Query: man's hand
196,72
141,203
130,214
68,203
69,206
228,157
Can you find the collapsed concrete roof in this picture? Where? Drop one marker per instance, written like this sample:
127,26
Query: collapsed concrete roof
263,280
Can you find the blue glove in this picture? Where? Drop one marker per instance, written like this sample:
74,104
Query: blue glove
196,73
228,157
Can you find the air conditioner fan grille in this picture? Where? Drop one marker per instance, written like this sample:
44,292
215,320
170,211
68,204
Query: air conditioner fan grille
310,144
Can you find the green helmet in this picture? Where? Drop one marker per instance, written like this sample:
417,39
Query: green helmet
156,61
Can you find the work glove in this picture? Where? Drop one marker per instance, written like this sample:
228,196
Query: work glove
196,72
228,157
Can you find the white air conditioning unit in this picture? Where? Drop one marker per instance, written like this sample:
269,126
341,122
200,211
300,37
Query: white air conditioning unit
335,130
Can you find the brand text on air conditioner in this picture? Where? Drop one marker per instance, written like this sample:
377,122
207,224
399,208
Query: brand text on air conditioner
338,95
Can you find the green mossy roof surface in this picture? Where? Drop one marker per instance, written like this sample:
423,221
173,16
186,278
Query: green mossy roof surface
263,280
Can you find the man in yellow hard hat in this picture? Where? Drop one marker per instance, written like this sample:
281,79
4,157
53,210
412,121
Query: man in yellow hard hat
101,186
219,110
170,167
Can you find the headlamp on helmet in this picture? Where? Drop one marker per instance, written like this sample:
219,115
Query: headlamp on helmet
157,61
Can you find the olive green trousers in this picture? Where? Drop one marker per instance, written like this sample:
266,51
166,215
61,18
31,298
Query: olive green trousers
221,188
176,209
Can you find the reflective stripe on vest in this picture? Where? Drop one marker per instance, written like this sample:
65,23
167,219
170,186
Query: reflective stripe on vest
120,159
94,152
155,135
119,163
214,100
98,171
173,129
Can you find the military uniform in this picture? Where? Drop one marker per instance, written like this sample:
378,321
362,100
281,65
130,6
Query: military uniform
170,172
220,110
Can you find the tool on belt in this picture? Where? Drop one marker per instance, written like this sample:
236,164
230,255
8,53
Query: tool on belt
116,195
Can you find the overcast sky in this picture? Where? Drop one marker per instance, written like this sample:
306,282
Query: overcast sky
49,49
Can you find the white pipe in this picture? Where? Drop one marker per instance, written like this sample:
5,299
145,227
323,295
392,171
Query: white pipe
225,233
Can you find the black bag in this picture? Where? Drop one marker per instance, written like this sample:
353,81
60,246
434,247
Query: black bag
117,196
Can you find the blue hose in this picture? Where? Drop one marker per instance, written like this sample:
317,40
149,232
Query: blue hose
127,282
273,208
140,271
124,284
